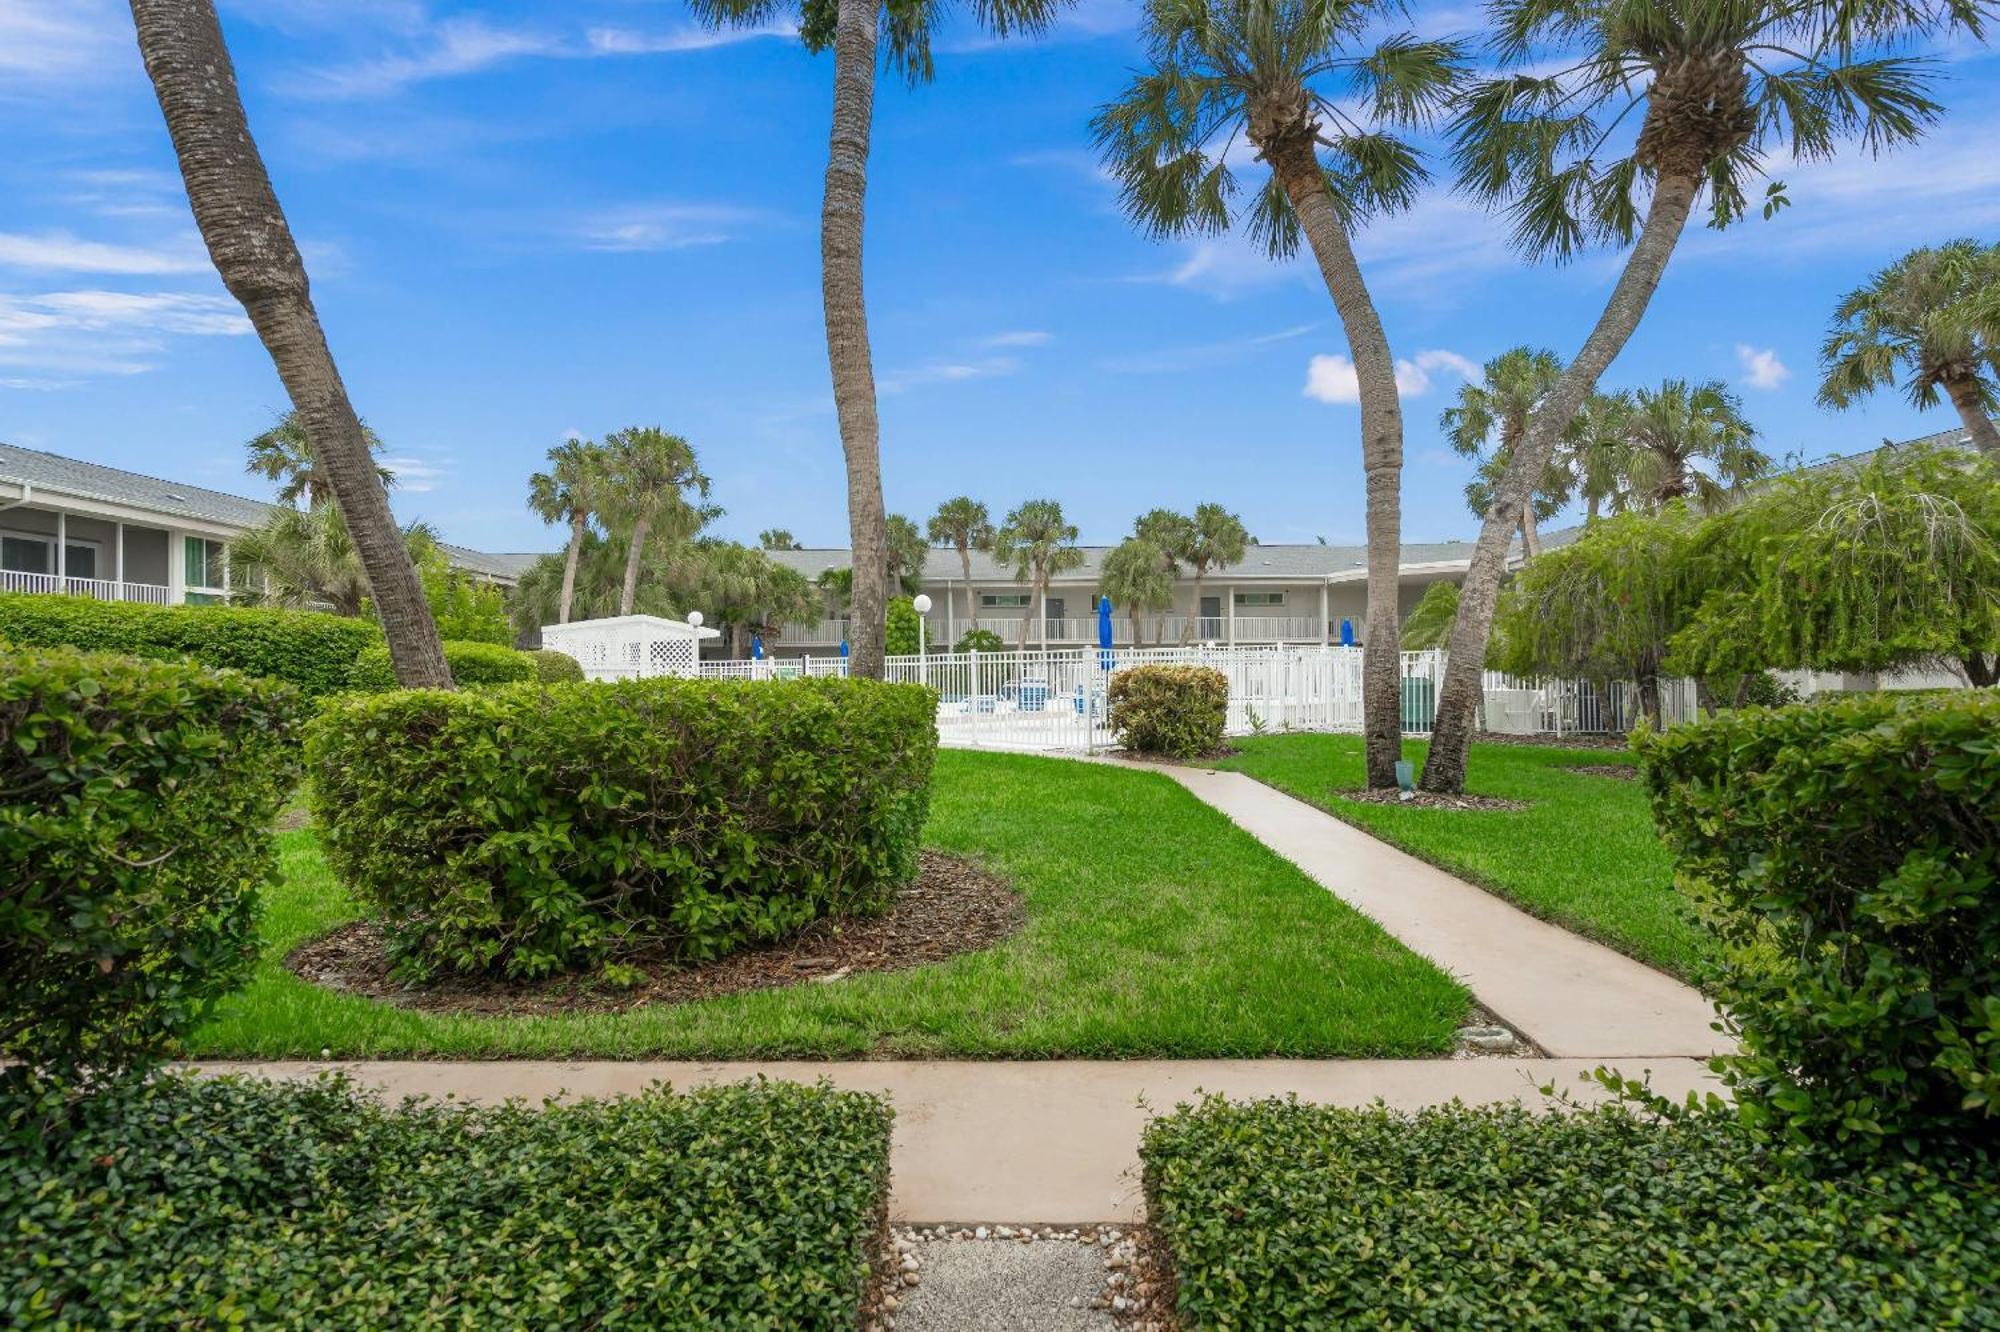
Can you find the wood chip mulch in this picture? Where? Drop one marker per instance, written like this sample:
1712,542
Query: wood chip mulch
1429,800
953,907
1570,741
1622,771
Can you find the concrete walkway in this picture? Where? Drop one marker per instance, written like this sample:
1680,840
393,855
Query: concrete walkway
1020,1142
1572,997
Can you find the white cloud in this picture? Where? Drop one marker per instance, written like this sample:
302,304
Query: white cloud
1761,366
59,251
163,311
1331,378
631,41
665,226
41,42
1171,360
946,372
1027,337
416,476
91,332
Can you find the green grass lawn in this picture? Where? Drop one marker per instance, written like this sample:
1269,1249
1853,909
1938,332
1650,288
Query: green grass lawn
1155,927
1583,855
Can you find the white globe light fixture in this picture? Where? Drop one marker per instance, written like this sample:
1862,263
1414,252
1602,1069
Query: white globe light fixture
922,606
694,618
694,623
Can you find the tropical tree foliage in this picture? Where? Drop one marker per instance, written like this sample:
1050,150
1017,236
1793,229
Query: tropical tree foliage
1137,577
284,454
1040,543
653,490
1689,441
964,525
1429,623
1322,100
300,559
908,552
570,493
777,538
1920,321
1488,421
1610,122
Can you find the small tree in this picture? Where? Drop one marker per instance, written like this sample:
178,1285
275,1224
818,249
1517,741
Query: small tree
284,454
964,525
1429,622
901,636
907,555
1136,576
1489,419
653,488
569,493
1689,441
1040,543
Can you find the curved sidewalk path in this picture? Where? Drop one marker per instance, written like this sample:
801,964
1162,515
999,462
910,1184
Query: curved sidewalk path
1571,997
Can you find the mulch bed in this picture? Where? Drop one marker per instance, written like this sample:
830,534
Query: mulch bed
1429,799
1622,771
1554,741
953,907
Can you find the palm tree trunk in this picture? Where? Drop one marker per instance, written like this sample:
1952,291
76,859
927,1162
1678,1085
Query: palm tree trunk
965,563
1192,623
636,551
1531,535
577,522
1381,451
1460,698
847,353
251,245
1964,394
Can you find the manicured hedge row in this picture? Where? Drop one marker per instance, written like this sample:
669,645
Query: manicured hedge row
136,800
213,1203
470,663
530,829
1849,854
1177,711
312,651
1282,1215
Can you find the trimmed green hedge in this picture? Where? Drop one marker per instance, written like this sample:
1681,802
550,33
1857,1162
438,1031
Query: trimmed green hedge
471,663
553,667
1849,854
1280,1215
209,1203
136,800
532,829
1177,711
302,648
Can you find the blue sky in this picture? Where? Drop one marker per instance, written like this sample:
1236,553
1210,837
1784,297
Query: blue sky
527,219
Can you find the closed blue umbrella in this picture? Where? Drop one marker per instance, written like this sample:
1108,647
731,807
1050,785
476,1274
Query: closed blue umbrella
1347,633
1104,632
756,647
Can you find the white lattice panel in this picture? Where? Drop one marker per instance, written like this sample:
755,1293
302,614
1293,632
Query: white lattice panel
629,647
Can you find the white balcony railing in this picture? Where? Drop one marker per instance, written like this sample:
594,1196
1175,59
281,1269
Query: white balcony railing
101,589
1071,631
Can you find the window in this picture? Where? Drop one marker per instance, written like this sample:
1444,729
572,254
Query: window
1003,600
1260,598
203,565
34,555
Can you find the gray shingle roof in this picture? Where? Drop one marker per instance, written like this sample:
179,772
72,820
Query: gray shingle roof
85,480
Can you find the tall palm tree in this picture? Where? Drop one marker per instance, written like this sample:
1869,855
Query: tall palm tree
1488,421
1911,322
1714,90
1040,543
651,485
1135,576
1671,429
569,492
1299,81
907,555
284,454
1594,453
1213,539
964,525
252,248
859,31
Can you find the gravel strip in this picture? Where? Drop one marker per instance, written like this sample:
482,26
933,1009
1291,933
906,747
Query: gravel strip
1016,1279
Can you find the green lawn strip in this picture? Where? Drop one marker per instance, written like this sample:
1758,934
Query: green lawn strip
1155,928
1281,1215
1583,854
214,1202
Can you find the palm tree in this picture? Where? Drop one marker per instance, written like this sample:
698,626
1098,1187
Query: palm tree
857,30
1672,428
777,538
284,454
1296,79
1714,90
569,492
649,479
1429,622
964,525
1135,576
1595,451
1040,544
253,251
1489,420
1911,322
907,554
304,559
1214,539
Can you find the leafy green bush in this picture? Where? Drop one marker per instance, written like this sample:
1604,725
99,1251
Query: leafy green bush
1282,1215
471,664
1178,711
303,648
135,832
552,667
537,828
980,640
209,1203
1849,852
900,638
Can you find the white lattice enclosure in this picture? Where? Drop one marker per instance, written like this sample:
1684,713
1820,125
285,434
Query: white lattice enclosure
629,647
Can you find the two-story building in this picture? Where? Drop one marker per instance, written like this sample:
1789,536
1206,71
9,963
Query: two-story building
88,530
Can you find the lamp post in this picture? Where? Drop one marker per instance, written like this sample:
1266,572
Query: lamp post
922,606
694,622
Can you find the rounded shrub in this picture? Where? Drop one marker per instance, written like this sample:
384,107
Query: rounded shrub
134,837
470,663
1175,711
552,667
1849,855
315,652
533,829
